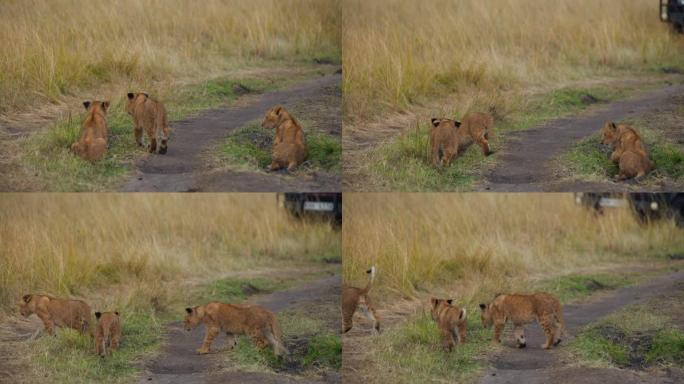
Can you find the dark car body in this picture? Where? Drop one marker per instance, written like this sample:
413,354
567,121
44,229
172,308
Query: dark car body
646,206
672,11
326,205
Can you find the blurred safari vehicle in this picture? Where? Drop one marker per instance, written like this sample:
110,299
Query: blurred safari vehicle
672,11
646,206
314,205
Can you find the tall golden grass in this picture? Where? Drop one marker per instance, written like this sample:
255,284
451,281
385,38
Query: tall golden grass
80,243
53,48
401,52
476,244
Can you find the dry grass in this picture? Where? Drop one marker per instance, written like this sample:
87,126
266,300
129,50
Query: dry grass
144,245
399,53
473,245
66,47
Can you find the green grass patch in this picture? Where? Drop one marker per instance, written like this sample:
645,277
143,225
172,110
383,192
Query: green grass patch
635,337
48,155
70,357
405,163
324,350
249,148
575,286
587,161
413,352
235,290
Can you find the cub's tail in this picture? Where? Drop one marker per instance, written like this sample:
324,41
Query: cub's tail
274,335
371,277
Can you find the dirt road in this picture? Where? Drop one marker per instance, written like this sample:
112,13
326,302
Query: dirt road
527,161
178,363
182,169
534,365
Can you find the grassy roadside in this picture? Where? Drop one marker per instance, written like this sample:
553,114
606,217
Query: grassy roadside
412,351
405,162
586,161
49,159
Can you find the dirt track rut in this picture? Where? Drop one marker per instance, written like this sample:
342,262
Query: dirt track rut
178,363
182,169
534,365
527,161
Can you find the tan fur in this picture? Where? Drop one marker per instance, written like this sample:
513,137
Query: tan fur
92,144
235,319
451,321
289,145
629,150
444,138
478,127
56,312
107,332
522,309
150,115
354,298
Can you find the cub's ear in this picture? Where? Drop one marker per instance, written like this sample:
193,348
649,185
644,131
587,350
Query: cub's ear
105,105
612,125
131,95
278,110
188,310
27,298
86,104
434,301
435,121
450,301
116,313
457,123
98,314
146,95
483,306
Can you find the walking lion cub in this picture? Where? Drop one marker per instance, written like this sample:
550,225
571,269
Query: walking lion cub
629,150
150,115
289,146
107,332
522,309
236,319
92,144
54,312
448,135
353,298
450,320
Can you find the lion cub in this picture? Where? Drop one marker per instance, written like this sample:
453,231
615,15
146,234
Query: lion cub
451,322
522,309
289,146
53,312
629,151
353,298
234,319
107,332
148,114
447,136
92,145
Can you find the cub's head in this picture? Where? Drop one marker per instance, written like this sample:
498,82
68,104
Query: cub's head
274,117
609,133
96,106
27,305
107,315
132,99
436,306
437,121
486,315
193,317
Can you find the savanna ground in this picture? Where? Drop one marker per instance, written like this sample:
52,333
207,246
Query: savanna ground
469,247
192,58
527,63
150,256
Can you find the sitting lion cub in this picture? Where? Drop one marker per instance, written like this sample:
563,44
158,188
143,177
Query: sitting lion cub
522,309
353,298
149,114
235,319
53,312
289,146
451,322
629,151
107,332
92,145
